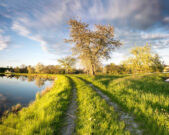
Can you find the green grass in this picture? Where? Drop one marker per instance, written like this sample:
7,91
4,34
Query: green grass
44,116
94,115
146,96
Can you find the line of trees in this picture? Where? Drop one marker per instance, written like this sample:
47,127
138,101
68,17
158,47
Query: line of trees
40,68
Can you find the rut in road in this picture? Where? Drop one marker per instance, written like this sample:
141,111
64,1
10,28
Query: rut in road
130,123
69,128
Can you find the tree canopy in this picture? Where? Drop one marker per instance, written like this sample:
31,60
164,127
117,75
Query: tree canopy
67,63
143,60
91,45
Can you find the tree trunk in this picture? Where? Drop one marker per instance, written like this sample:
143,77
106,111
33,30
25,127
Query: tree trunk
67,71
92,70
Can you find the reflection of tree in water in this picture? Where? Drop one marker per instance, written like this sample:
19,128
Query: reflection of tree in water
2,75
9,76
17,77
31,78
22,78
39,81
3,101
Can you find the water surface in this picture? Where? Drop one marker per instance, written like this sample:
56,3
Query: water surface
19,89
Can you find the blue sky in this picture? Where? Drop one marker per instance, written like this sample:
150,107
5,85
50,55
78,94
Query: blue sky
33,31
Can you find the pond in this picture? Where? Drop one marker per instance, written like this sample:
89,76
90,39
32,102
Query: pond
20,89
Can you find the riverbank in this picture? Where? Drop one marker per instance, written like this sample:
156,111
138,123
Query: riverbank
44,115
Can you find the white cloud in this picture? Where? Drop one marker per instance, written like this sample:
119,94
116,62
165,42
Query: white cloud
114,9
1,31
138,13
155,36
4,42
22,30
166,19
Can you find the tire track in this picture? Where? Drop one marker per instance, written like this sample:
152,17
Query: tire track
130,123
69,128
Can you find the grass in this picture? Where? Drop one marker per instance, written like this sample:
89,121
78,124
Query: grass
145,96
44,116
94,115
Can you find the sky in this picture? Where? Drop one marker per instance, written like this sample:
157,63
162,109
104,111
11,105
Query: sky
33,31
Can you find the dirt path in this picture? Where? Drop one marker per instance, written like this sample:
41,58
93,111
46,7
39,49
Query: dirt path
131,125
69,128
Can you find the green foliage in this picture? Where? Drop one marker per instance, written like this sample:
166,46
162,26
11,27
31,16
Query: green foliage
166,69
143,61
67,63
114,69
30,70
17,70
39,68
157,65
146,96
42,117
94,115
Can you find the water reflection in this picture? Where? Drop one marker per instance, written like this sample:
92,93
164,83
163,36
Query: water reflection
31,78
23,78
3,101
19,89
17,77
39,81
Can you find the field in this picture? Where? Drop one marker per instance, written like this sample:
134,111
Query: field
97,105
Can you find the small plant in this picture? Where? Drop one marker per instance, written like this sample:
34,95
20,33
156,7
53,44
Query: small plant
46,90
38,95
16,108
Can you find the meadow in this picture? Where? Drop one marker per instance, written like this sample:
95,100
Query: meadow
102,101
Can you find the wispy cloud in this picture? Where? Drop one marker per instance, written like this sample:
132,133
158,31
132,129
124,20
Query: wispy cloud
4,41
44,21
22,30
166,19
155,36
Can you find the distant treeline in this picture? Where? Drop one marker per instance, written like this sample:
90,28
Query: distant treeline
39,68
3,69
56,69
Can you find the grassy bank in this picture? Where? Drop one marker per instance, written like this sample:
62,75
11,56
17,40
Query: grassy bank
44,116
94,115
146,96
